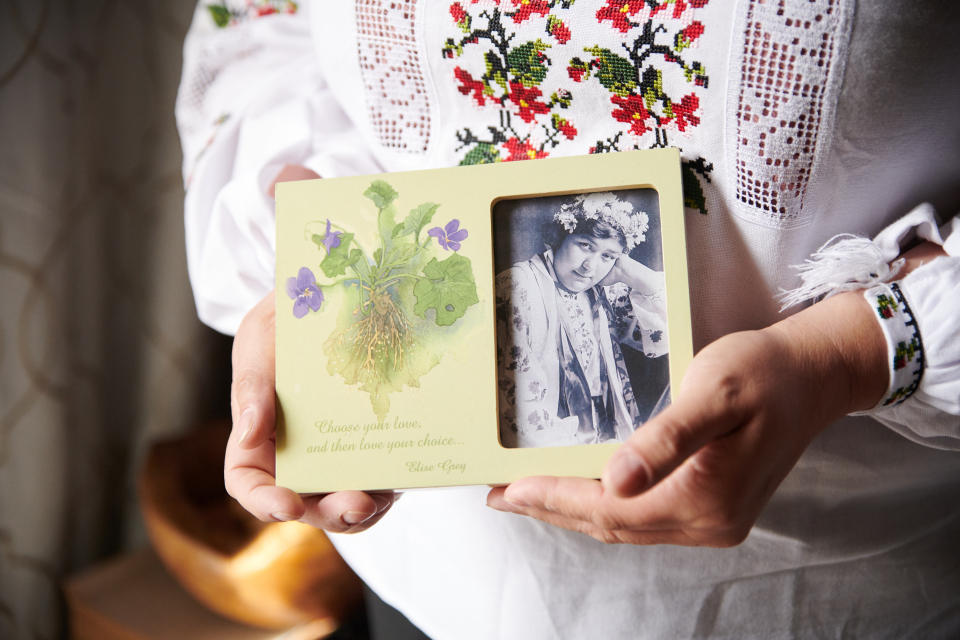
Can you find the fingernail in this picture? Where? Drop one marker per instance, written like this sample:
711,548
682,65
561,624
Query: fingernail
355,517
499,503
245,424
626,473
283,517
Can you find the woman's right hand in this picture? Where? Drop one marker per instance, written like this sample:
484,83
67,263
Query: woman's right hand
249,462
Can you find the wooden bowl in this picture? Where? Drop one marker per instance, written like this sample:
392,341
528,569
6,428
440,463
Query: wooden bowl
272,575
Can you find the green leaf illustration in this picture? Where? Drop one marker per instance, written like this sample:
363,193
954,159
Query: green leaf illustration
381,193
449,288
399,255
386,223
526,62
616,74
483,153
416,220
340,257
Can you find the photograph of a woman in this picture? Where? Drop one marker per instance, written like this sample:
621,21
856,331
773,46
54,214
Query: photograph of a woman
565,309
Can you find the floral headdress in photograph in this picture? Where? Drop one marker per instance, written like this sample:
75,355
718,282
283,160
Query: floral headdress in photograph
608,208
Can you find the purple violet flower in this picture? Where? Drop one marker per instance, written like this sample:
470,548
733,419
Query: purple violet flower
450,236
331,239
305,293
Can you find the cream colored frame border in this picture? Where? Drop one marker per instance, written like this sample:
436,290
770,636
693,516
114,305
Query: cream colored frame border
477,189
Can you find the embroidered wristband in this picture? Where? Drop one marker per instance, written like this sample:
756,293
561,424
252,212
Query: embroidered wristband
904,346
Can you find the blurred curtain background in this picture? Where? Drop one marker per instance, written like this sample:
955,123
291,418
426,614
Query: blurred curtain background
100,349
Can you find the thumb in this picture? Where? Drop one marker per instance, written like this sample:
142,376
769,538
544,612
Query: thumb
663,443
252,395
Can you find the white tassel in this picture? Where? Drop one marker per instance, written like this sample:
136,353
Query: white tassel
845,262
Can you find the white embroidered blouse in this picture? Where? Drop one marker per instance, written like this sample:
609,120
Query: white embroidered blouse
797,121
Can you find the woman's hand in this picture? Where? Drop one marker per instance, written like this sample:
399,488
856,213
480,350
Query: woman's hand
250,460
701,471
249,463
636,275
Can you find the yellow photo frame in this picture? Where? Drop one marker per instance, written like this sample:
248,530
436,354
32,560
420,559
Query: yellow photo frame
386,339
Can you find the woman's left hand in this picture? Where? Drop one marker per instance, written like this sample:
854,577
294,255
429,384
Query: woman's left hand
635,275
701,471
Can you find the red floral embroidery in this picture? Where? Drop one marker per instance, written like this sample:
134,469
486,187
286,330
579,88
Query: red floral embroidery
619,11
224,15
468,85
689,35
632,111
526,99
679,6
563,126
522,150
558,29
685,112
526,8
458,13
635,80
514,79
633,76
512,82
576,71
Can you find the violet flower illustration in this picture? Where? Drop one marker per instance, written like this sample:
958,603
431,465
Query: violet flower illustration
305,293
450,236
331,239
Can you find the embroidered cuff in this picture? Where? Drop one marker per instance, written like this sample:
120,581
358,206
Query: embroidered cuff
904,346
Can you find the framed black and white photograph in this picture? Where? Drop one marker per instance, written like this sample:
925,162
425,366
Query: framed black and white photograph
477,324
581,317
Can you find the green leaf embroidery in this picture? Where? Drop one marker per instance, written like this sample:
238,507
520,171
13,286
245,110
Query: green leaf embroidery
220,14
483,153
449,288
526,64
616,74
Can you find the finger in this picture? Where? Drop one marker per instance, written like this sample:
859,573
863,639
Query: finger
347,511
496,499
574,497
254,488
252,394
662,444
588,500
248,475
593,526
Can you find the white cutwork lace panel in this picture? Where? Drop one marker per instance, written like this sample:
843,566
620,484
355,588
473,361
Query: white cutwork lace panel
789,77
392,75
